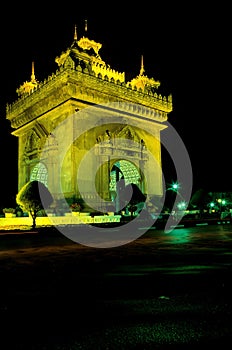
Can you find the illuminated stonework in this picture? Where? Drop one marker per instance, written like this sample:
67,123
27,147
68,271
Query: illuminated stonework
28,86
142,82
83,79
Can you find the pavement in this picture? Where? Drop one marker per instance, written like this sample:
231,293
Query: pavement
169,291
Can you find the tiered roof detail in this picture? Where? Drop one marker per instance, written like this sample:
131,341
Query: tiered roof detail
88,51
87,44
82,75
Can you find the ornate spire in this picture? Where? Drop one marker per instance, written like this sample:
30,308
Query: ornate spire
75,33
28,86
142,70
142,82
86,25
33,79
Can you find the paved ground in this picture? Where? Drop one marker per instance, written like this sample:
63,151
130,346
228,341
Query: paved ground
162,291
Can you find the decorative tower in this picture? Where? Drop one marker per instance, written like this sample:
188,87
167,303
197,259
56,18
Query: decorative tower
83,88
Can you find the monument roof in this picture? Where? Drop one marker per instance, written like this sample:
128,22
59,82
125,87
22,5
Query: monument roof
84,49
82,57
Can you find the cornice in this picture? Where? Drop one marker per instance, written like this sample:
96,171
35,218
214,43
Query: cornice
73,83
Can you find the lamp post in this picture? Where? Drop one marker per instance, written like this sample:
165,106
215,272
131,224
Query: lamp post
174,187
211,207
222,203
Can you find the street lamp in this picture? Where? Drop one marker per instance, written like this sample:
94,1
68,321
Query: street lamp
175,187
211,207
181,205
221,202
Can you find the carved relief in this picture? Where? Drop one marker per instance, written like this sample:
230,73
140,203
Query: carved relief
33,143
118,143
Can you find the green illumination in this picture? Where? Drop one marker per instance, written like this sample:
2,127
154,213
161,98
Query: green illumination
181,205
221,201
175,186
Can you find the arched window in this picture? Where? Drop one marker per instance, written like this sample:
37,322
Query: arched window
39,173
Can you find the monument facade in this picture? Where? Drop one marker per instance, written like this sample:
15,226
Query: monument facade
85,128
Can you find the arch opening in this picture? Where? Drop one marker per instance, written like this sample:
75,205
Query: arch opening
122,174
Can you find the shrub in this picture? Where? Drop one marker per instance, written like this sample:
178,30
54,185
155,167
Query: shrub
30,198
75,207
9,210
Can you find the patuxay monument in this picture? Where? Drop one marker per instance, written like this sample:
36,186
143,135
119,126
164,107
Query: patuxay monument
87,116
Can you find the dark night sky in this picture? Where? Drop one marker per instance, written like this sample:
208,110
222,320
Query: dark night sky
186,48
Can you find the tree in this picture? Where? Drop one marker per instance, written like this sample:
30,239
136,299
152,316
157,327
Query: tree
33,197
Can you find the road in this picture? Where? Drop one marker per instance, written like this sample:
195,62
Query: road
162,291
